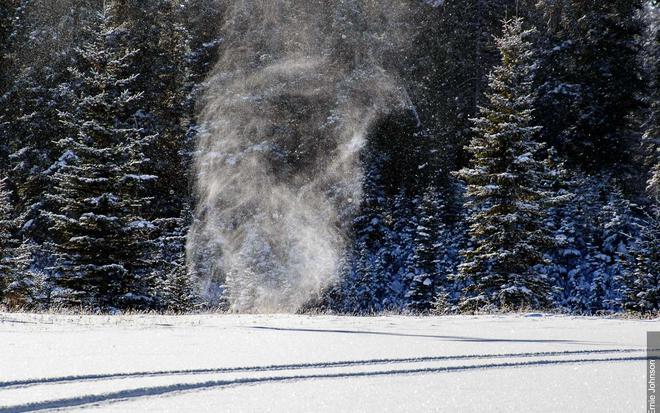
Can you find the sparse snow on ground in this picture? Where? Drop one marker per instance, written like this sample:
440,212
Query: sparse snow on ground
285,363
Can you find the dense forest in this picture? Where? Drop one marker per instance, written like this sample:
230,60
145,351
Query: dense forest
523,173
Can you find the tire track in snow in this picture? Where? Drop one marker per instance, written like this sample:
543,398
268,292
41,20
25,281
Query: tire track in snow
300,366
441,337
126,395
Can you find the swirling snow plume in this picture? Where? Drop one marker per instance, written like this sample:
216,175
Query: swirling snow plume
284,117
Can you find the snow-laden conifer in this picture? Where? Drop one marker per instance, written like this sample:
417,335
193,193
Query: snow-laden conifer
505,191
101,221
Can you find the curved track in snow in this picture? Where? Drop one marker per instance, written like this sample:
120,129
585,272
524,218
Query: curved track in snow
133,389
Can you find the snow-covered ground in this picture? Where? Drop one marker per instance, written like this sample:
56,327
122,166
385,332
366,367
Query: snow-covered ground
286,363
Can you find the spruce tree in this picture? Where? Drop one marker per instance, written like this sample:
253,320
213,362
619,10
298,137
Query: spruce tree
361,299
618,223
561,220
163,65
651,137
371,244
591,231
251,279
640,281
15,255
175,288
6,235
594,244
505,188
33,151
20,289
404,223
40,47
100,221
427,280
652,148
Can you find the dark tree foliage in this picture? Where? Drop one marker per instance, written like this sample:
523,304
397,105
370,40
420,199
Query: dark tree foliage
161,61
99,223
640,280
590,80
6,232
457,52
16,279
426,279
651,126
7,12
42,37
98,130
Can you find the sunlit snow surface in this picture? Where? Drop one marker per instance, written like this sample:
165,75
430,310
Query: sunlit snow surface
285,363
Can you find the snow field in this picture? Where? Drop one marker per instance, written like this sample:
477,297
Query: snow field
299,363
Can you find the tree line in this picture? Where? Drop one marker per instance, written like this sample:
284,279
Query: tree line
528,177
532,183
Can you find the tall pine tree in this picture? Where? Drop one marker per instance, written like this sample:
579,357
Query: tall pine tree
100,223
505,188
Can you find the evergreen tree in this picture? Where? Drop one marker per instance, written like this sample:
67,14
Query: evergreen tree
163,65
361,297
33,152
255,273
404,223
100,224
640,282
593,227
15,255
6,234
652,147
505,188
583,262
561,220
41,45
427,279
175,288
606,228
616,230
651,138
369,276
20,288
